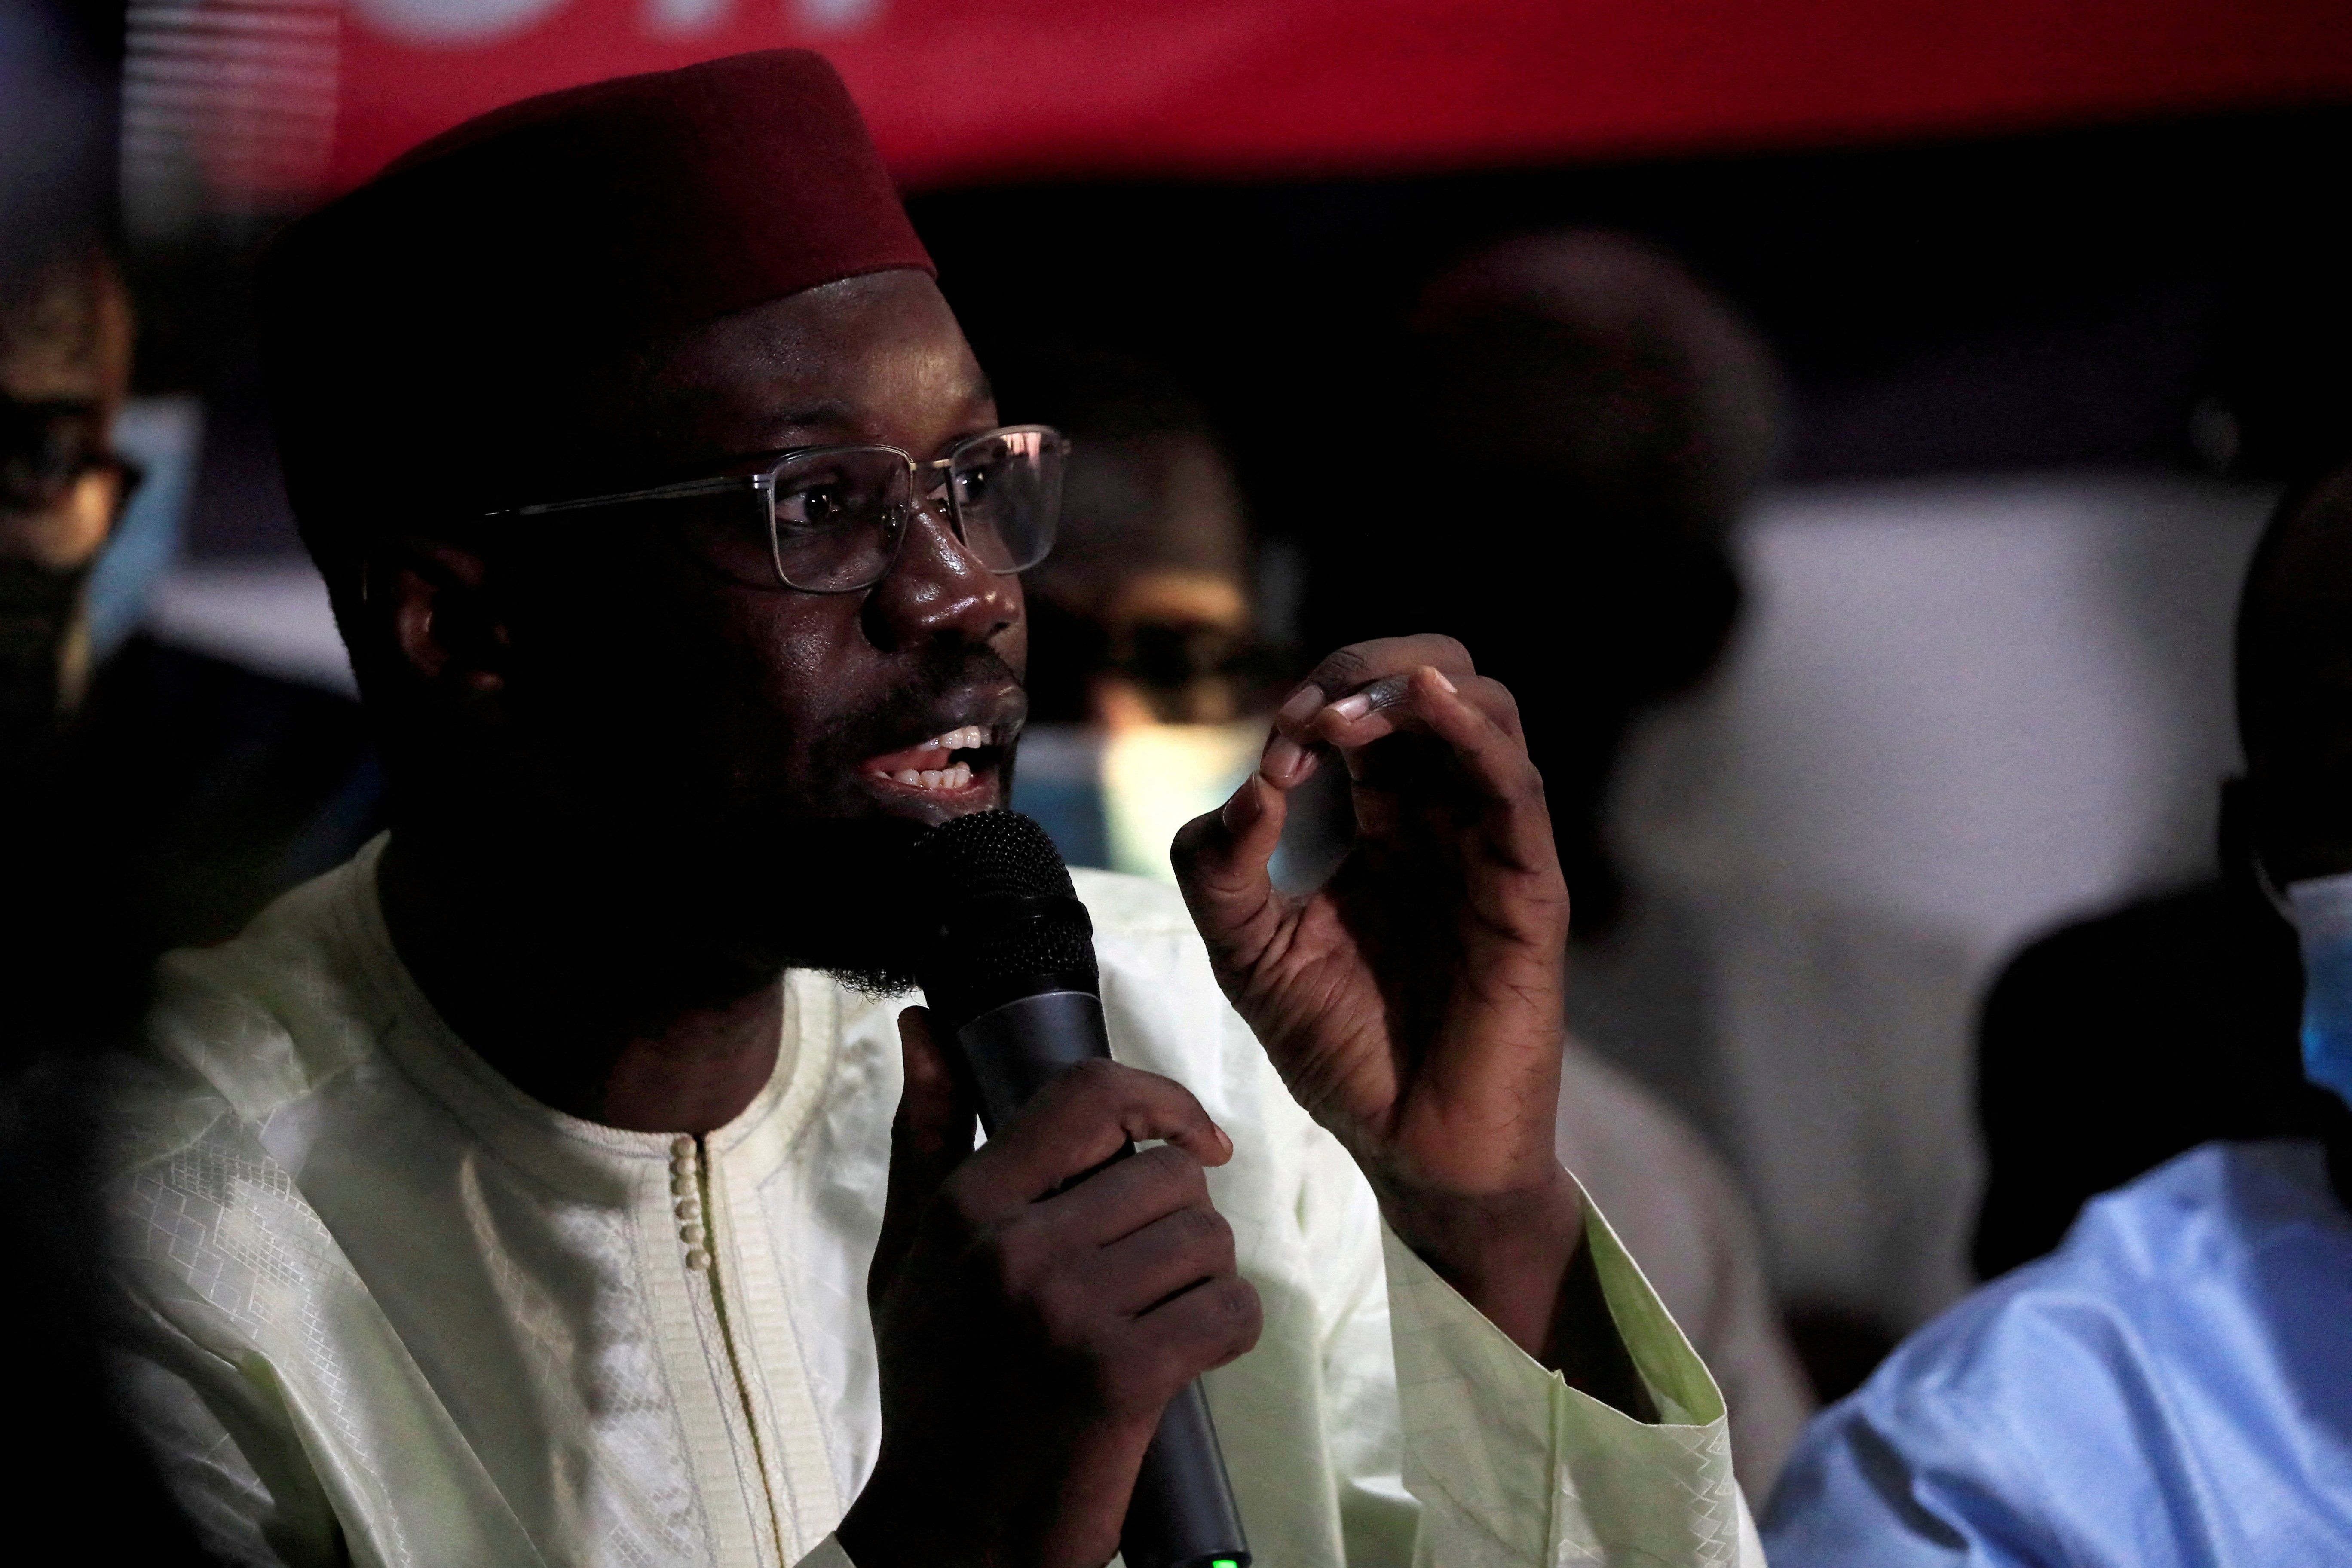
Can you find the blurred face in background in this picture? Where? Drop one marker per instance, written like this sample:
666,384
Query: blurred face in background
1144,613
1588,403
1152,572
1589,421
65,361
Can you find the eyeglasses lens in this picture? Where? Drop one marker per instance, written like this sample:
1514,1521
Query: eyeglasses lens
839,516
1008,495
45,449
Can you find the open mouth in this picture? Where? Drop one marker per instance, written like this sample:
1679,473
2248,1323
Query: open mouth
962,761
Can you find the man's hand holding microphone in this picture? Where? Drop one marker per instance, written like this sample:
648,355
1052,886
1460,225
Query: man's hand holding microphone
1032,1326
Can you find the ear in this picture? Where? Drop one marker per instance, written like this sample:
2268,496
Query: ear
446,628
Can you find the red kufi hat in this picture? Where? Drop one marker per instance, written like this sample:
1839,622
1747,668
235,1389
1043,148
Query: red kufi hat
409,326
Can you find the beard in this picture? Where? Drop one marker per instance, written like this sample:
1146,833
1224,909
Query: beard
852,912
674,841
856,910
827,895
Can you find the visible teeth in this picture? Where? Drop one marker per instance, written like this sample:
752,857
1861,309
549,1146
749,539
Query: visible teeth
971,738
955,775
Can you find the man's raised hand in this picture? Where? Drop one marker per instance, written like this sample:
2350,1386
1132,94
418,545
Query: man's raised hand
1412,1004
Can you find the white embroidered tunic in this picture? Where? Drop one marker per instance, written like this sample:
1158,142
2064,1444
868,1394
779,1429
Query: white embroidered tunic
385,1309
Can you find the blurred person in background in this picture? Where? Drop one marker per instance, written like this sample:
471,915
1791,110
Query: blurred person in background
82,1488
529,1188
2172,1388
2110,1046
180,792
1589,421
65,370
70,989
1579,401
1605,414
176,793
1144,612
1150,677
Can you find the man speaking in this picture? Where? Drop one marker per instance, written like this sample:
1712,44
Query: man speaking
558,1182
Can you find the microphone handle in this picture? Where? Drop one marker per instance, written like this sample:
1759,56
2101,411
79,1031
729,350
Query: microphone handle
1182,1514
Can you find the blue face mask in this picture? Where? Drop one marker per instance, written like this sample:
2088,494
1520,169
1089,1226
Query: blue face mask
2321,912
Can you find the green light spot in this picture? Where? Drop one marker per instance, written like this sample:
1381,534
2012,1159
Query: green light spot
1225,1563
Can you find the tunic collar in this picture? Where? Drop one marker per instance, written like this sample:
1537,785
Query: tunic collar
585,1159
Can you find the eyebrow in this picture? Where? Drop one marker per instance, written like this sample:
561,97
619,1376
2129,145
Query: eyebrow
831,412
834,411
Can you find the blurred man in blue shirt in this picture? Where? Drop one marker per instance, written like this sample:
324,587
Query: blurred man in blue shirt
2173,1387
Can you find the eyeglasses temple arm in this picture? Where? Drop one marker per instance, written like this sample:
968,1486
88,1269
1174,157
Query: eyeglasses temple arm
679,491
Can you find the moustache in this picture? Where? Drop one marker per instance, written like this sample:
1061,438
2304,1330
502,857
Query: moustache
936,700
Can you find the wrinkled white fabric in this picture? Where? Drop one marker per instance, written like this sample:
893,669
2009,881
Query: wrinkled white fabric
384,1309
1680,1214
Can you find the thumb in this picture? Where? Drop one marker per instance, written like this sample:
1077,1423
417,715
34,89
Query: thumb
931,1135
1221,860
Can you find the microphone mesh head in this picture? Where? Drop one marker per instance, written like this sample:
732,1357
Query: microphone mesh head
1008,921
991,853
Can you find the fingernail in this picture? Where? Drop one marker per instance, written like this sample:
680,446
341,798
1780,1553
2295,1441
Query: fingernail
1386,692
1439,676
1282,758
1303,704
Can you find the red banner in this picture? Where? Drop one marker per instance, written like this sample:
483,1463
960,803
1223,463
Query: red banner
961,91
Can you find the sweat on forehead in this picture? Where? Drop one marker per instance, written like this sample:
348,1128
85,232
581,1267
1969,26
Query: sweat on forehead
421,333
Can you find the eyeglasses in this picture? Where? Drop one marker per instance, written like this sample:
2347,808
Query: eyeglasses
47,448
830,519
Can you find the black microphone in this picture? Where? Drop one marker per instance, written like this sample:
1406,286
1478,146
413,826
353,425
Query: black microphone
1008,974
